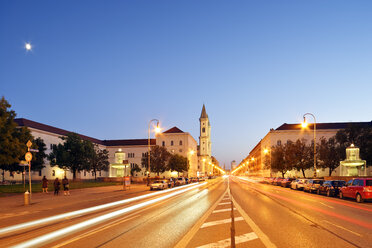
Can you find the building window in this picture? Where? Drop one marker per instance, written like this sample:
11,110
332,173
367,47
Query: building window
100,174
53,173
39,173
131,155
203,129
171,142
180,150
85,173
163,143
51,146
180,142
144,154
279,142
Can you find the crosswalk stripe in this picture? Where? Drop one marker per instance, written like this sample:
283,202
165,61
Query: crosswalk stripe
226,242
222,210
219,222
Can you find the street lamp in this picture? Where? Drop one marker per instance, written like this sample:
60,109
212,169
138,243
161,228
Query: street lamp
304,125
157,130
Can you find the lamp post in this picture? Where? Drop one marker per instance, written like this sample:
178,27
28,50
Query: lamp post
157,129
304,124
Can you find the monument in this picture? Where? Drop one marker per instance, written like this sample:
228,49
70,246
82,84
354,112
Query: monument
353,165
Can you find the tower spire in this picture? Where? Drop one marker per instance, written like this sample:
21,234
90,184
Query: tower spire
203,113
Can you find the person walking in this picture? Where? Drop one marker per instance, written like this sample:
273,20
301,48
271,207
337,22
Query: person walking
45,185
66,186
57,185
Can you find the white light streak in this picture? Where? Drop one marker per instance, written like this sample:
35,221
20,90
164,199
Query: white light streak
18,227
86,224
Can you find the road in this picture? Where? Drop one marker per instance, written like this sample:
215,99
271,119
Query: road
203,215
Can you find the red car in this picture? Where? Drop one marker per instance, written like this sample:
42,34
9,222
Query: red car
359,189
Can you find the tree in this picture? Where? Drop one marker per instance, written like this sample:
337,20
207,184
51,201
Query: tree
178,163
134,169
99,161
330,154
74,154
158,159
277,159
37,162
303,156
12,139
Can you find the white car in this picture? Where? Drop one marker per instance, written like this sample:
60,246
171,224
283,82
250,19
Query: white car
159,184
298,184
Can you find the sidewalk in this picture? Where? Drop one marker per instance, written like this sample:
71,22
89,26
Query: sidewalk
43,204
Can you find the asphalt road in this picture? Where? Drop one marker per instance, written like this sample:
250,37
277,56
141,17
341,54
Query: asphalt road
293,218
202,215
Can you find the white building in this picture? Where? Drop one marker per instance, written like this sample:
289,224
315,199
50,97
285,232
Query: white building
293,132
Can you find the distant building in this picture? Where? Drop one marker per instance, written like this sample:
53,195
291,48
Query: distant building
205,146
261,153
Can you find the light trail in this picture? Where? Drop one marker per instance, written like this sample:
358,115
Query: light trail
37,242
317,197
43,221
326,212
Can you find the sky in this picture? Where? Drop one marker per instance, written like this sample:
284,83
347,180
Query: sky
106,68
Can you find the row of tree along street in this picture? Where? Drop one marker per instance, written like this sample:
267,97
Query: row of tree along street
161,160
299,155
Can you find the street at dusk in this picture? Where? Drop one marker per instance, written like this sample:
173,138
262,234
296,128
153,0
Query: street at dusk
185,124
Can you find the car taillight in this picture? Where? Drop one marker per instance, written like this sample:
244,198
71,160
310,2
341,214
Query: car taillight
367,189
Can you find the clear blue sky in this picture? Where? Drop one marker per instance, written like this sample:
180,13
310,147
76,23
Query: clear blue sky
105,68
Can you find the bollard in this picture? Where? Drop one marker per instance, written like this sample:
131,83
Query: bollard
27,198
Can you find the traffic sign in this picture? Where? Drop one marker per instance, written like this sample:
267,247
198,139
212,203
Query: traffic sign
29,144
28,156
34,150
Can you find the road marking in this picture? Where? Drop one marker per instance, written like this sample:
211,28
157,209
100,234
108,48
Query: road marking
187,238
222,210
226,242
219,222
265,240
224,203
326,205
341,227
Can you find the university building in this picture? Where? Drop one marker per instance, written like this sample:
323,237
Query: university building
261,153
124,154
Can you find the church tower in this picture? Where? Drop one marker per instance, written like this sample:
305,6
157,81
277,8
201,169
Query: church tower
205,145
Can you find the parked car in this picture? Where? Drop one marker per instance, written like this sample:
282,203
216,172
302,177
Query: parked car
170,183
331,187
298,184
270,180
193,180
286,182
359,189
180,181
277,181
159,184
312,185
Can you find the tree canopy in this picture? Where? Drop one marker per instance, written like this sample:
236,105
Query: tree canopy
74,154
159,157
98,161
178,163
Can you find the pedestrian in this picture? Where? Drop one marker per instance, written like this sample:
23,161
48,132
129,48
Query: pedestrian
45,185
66,186
57,184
